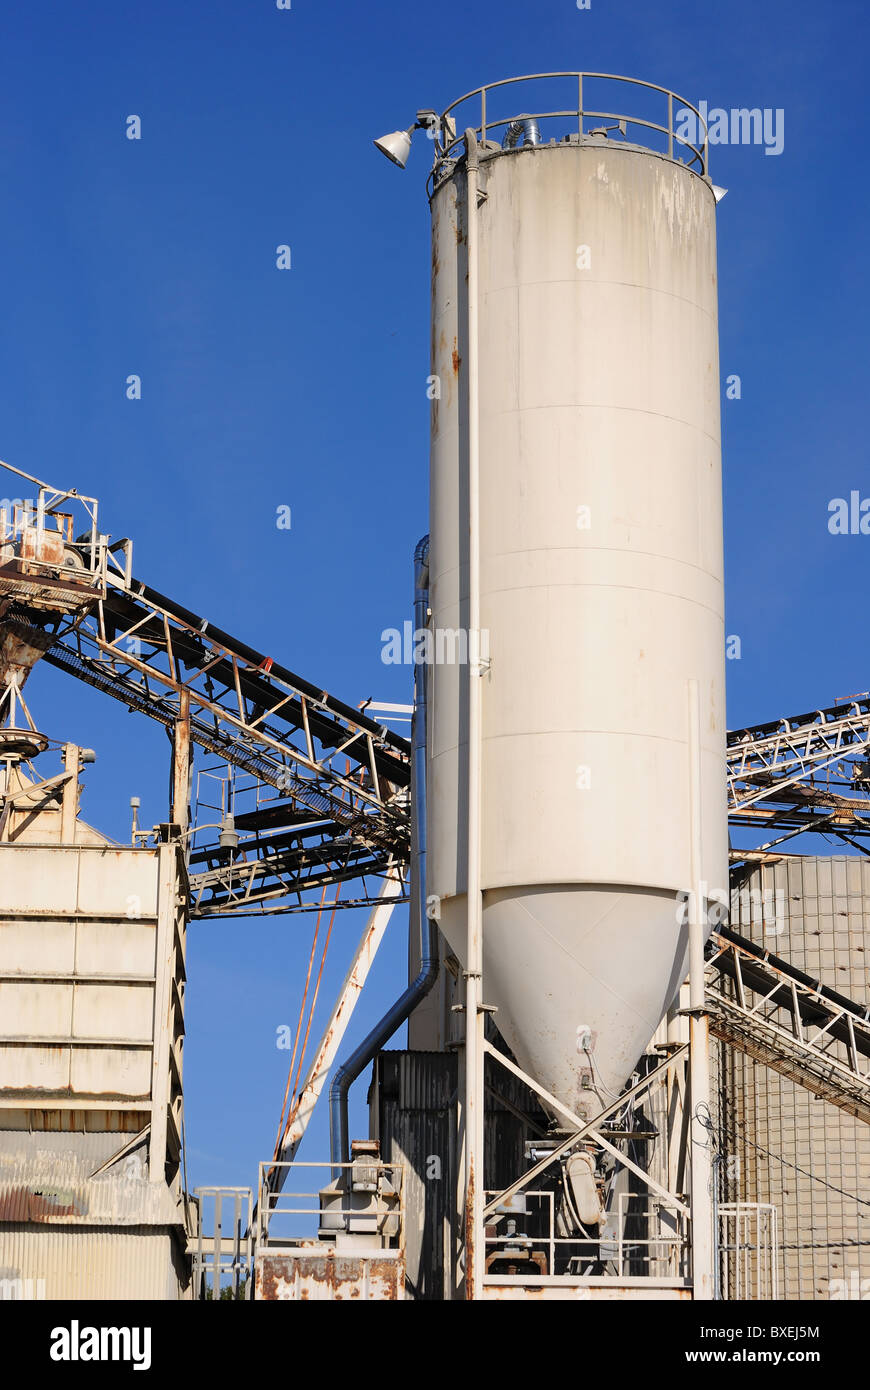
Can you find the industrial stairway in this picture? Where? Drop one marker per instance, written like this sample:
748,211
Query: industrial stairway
822,1043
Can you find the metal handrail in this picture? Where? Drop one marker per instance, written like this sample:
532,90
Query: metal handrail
663,1246
277,1203
451,127
228,1249
750,1268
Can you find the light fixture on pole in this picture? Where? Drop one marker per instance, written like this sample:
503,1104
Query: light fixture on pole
397,145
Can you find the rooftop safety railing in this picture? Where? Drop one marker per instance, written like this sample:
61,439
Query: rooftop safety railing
221,1243
652,116
646,1237
748,1251
53,533
368,1199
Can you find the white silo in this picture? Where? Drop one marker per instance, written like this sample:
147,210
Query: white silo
601,586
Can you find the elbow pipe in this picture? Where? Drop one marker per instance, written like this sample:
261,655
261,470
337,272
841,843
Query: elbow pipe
525,126
400,1011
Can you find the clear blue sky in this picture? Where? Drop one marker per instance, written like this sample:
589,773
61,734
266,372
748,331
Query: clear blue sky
307,388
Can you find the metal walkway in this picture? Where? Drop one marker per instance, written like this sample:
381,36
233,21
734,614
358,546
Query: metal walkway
823,1043
806,773
342,810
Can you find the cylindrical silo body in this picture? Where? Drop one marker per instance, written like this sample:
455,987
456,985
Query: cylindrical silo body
601,593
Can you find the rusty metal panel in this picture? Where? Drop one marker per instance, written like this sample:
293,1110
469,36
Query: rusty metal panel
110,1071
92,1121
22,581
43,545
34,1069
21,646
56,1178
314,1273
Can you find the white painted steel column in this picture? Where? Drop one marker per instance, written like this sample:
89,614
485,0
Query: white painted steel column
179,811
70,802
700,1136
161,1042
475,1253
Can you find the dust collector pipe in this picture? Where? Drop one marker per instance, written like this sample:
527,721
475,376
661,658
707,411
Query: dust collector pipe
348,1071
525,126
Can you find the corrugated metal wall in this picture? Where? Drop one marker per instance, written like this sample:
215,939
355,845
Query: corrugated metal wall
56,1263
781,1144
414,1112
48,1178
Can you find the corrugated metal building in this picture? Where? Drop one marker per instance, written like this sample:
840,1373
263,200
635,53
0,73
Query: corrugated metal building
781,1144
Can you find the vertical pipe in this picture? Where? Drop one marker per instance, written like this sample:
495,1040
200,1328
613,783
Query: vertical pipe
473,1118
179,812
70,803
199,1265
217,1247
703,1257
163,1036
417,990
237,1242
673,1098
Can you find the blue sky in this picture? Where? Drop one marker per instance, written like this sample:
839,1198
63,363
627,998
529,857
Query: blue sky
306,388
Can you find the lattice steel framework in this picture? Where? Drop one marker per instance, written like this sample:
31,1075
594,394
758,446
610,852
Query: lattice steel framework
808,773
339,779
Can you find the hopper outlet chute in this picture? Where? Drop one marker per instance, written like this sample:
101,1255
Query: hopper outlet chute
21,646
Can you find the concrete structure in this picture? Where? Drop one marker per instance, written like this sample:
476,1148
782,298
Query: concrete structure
780,1144
92,945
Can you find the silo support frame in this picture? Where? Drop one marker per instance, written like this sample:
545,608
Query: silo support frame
586,1129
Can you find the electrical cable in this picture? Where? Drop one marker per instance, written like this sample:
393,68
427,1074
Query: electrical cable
298,1032
862,1201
